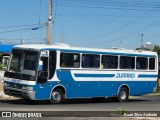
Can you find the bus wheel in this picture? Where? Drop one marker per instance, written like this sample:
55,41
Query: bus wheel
57,97
122,94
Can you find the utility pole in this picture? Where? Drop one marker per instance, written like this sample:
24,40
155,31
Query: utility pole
49,24
62,36
122,43
21,41
142,41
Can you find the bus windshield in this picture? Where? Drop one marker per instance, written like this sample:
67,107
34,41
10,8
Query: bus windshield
24,62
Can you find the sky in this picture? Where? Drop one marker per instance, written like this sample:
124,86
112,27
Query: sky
85,23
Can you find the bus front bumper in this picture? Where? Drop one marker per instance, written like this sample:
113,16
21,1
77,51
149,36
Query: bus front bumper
19,93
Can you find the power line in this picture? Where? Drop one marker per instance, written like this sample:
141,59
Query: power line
9,31
133,32
126,25
116,18
20,25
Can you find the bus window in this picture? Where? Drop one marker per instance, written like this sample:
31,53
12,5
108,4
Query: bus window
152,63
30,61
40,65
70,60
90,61
127,62
43,66
52,63
16,62
141,63
109,62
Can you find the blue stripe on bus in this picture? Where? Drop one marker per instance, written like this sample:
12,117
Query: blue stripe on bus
147,76
94,75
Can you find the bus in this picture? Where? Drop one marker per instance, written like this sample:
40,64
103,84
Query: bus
60,71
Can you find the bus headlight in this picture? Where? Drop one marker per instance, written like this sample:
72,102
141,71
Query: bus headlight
27,88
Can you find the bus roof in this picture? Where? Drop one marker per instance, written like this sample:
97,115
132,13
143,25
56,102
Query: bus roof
66,47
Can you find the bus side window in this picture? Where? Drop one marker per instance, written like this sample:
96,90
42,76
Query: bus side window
63,60
70,60
76,58
40,65
142,63
90,61
137,65
109,62
151,63
96,61
127,62
85,61
43,67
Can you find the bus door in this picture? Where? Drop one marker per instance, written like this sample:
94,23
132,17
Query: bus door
42,76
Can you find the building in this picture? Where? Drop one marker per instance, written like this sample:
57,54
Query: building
149,46
5,50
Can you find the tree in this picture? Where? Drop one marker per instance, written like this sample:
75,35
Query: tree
157,49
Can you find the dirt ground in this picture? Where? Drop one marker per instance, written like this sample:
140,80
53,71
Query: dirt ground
1,86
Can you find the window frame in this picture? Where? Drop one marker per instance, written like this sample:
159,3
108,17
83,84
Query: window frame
134,60
99,66
154,63
105,68
147,68
68,67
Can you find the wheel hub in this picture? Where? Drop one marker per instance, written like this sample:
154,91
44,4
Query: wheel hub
56,96
123,95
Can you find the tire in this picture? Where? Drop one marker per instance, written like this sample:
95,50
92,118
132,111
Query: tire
122,95
57,97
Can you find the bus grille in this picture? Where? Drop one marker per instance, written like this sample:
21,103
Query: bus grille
17,86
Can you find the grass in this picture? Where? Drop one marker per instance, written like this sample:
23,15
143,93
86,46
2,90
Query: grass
155,93
158,91
122,110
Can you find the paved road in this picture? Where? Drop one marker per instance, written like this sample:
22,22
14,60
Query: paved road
143,103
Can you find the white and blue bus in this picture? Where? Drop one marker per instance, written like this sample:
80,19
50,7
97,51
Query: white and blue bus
58,72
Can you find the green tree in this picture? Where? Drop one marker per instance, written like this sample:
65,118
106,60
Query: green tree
157,49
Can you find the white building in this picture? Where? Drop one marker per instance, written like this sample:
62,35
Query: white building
149,45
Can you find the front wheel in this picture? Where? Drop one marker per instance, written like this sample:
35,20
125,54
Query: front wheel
122,95
57,96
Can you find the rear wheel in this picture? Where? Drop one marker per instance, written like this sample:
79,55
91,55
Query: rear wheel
122,94
57,96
